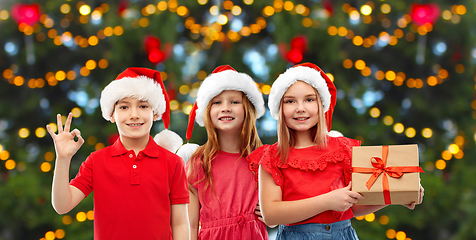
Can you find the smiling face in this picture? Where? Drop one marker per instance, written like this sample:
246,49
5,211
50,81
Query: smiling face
134,119
227,112
300,106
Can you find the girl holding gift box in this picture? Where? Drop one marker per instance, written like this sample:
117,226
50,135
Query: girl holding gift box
223,192
304,179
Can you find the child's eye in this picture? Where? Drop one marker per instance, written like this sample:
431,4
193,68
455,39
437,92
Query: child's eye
144,106
288,101
216,102
122,107
235,102
310,99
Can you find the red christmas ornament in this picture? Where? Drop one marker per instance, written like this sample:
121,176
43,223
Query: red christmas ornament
422,14
299,43
152,47
151,43
171,92
112,139
457,56
25,13
294,56
121,8
298,48
156,56
328,6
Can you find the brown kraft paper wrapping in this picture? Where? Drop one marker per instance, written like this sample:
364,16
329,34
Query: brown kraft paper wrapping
400,160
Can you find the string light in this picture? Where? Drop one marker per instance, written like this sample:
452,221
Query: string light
81,216
67,220
10,164
370,217
268,11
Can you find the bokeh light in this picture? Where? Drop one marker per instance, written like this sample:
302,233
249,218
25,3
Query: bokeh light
81,216
370,217
24,132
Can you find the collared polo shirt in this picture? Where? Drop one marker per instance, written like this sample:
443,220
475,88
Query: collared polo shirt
133,194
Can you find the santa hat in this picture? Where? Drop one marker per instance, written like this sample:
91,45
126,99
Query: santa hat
143,84
314,76
222,78
226,78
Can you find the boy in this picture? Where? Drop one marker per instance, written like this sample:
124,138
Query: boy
140,189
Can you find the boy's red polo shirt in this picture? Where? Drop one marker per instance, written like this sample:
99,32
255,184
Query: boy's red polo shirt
133,194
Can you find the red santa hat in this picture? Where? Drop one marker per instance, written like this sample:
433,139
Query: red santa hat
143,84
314,76
222,78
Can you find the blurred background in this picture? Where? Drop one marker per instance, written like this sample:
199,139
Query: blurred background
404,71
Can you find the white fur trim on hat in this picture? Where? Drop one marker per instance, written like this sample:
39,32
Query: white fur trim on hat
186,151
218,82
141,87
334,133
168,140
288,78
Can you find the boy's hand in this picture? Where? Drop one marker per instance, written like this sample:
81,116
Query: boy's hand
412,205
65,144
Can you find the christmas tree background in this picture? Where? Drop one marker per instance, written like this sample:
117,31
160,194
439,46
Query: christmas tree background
404,71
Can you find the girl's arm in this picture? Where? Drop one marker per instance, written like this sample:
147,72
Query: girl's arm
260,216
276,211
361,210
194,212
179,222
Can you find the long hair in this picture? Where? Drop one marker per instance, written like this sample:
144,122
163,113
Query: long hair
206,153
287,136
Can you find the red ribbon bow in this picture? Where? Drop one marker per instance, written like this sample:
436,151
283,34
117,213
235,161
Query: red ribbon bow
379,168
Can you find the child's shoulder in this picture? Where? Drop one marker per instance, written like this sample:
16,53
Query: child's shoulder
164,153
343,141
103,151
264,149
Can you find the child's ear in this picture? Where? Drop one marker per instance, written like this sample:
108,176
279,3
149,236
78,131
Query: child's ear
156,116
112,118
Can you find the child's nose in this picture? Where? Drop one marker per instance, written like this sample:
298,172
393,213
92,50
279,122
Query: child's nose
134,113
300,107
226,107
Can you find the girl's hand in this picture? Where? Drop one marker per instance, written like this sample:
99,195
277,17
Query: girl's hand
342,199
412,205
65,144
260,217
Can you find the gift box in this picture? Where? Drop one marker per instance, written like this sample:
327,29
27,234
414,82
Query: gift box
386,174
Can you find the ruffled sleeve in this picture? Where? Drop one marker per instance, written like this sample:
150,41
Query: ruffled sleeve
266,156
254,160
347,144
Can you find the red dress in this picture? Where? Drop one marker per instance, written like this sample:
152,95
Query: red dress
309,172
227,211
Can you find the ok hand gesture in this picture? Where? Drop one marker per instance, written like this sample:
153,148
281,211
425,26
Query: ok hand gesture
65,144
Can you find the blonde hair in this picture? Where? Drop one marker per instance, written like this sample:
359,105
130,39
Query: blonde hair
206,153
287,136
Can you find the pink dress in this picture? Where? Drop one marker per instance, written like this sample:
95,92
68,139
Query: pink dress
228,211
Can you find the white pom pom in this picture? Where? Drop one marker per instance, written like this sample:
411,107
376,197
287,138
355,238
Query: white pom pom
168,140
334,133
187,150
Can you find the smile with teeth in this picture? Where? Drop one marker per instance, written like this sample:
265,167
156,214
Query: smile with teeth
301,118
226,118
135,124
